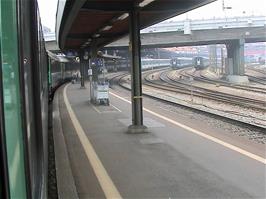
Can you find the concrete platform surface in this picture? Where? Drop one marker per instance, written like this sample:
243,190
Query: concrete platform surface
237,79
169,162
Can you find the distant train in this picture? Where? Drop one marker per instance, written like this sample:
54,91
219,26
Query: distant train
181,62
154,63
197,62
200,63
61,70
146,63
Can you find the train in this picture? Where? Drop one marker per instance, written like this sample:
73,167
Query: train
181,62
197,62
28,77
60,70
200,63
146,64
113,65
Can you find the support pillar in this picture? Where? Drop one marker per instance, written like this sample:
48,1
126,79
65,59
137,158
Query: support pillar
235,51
84,57
235,54
241,57
136,83
93,64
213,56
82,73
222,60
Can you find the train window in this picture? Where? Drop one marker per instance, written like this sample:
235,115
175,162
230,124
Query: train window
11,99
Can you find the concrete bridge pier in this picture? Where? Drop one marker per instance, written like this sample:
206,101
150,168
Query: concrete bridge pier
236,62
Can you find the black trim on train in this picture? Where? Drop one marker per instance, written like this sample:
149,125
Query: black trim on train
34,94
22,23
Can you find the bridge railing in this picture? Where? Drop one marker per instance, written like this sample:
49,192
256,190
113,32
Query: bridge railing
215,23
204,24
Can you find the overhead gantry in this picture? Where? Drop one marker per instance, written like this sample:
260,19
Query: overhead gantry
87,25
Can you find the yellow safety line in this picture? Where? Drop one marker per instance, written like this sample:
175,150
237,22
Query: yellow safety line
104,179
216,140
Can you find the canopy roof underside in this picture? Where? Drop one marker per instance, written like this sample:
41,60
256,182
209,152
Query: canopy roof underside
83,23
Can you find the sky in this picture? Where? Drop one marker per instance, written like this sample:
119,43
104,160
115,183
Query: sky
239,8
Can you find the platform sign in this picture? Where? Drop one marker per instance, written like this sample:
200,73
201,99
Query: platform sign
99,62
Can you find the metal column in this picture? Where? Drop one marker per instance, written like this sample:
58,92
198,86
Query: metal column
94,66
136,86
82,72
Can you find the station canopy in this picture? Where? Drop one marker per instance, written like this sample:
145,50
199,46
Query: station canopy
83,23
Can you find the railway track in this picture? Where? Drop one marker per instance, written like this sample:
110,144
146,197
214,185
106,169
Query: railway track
259,80
257,75
203,78
170,84
261,71
122,81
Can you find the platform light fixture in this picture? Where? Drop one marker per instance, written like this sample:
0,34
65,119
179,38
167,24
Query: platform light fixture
96,35
123,16
106,28
145,3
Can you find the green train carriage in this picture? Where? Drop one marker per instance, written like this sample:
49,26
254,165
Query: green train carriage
23,101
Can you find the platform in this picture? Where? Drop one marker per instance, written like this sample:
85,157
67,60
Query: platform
174,160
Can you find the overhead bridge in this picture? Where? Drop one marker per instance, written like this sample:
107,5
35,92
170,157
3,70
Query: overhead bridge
197,37
198,32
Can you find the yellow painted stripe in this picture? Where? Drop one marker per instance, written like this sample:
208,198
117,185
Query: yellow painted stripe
216,140
104,179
